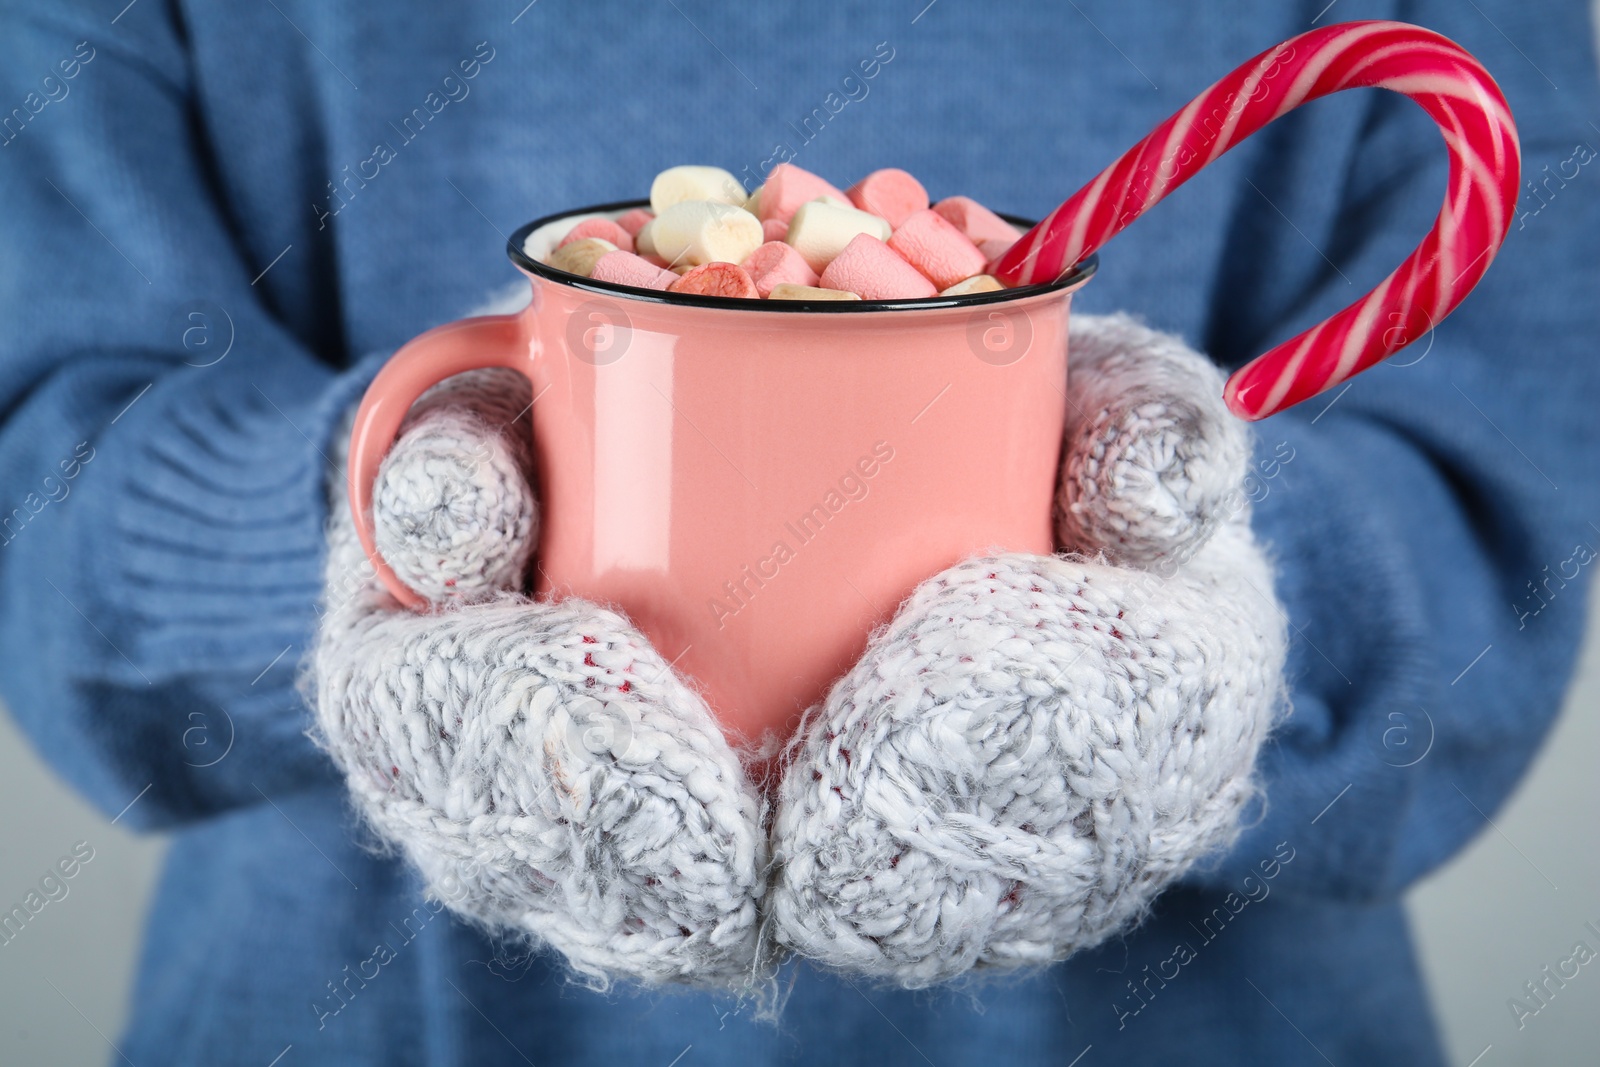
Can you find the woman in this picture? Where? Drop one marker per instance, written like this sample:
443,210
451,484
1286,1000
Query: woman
225,219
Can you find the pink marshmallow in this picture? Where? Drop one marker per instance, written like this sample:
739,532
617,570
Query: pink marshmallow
995,247
625,268
715,279
787,187
890,194
973,219
774,230
776,263
633,221
928,242
604,229
871,269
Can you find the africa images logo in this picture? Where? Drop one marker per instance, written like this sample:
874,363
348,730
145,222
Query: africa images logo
599,332
999,336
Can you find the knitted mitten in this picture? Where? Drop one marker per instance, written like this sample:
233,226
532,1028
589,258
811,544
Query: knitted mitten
1037,745
541,765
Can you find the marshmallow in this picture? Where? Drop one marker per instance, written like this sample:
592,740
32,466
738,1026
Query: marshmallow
789,291
703,231
978,283
891,194
580,256
928,242
675,185
796,237
604,229
625,268
633,221
973,219
787,187
775,263
644,241
995,247
871,268
820,231
716,279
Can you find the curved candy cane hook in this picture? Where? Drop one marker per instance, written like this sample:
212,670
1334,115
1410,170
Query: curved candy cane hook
1485,172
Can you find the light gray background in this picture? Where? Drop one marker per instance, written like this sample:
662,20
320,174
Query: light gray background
1512,903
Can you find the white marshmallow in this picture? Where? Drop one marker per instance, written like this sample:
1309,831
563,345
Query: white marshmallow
978,283
580,256
676,185
819,231
704,231
791,291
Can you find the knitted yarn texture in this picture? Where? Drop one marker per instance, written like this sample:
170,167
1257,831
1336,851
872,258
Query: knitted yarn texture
456,517
1153,460
1023,759
1036,746
540,765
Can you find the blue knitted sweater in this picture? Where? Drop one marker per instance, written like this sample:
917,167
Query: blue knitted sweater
220,217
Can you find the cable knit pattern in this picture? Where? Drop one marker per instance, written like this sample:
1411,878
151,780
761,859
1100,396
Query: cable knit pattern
1030,753
1151,451
541,765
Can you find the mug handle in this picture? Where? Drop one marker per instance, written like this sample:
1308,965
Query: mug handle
1480,199
444,351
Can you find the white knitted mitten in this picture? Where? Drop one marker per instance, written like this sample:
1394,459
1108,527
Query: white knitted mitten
1037,745
541,765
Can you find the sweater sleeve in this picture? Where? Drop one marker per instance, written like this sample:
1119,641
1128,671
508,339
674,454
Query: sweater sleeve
1434,524
163,441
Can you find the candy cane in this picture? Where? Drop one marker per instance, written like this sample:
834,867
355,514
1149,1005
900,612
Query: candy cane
1485,171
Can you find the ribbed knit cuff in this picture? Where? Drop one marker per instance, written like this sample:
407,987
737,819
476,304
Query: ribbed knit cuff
204,546
217,530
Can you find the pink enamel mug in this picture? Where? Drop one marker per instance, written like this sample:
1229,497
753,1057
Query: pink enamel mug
758,485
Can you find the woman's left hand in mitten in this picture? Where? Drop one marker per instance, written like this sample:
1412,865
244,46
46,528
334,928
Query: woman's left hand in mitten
1038,745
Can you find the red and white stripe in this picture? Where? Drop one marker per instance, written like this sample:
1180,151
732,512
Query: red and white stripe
1485,171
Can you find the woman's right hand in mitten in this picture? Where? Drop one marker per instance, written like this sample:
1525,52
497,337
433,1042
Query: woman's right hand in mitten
540,764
